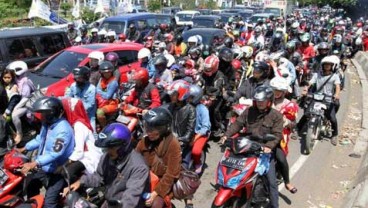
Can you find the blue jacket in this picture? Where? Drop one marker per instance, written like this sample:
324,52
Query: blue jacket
150,67
110,92
87,95
55,144
203,123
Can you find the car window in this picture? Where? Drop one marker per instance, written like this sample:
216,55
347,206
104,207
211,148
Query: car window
21,48
152,22
61,65
142,24
127,57
118,27
203,23
184,17
51,44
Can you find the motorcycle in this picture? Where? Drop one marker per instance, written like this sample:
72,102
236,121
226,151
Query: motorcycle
130,116
318,124
12,182
240,175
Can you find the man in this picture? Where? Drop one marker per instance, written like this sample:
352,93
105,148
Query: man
121,170
133,34
55,144
72,33
259,120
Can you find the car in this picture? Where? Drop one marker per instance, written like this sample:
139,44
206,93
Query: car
263,16
246,14
226,17
183,18
209,37
232,11
206,21
31,45
205,11
54,75
217,11
170,10
166,19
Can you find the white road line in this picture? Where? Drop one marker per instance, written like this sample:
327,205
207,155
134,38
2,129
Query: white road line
297,165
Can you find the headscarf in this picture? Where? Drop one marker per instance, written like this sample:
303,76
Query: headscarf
74,111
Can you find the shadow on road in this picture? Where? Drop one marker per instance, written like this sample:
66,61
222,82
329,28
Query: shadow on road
285,198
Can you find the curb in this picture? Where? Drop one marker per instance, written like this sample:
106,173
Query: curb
358,197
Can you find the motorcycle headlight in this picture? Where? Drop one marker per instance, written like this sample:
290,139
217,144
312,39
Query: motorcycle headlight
318,97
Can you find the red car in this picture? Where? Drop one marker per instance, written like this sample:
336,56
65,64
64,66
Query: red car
54,74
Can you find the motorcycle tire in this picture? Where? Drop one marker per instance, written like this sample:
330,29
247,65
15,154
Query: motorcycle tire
231,203
309,140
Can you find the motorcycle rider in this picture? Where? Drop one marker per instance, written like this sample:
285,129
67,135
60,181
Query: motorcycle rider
84,35
257,39
170,46
114,59
259,120
194,53
337,46
180,47
145,57
111,35
85,91
72,33
55,144
133,34
226,56
122,170
95,59
94,36
163,76
328,82
323,51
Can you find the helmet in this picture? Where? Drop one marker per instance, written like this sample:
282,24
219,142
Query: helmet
160,62
78,39
158,119
238,53
193,39
50,108
112,57
115,135
323,46
291,45
111,33
236,64
257,30
263,93
262,56
162,45
180,87
102,32
98,55
141,75
211,64
261,67
226,54
189,63
200,39
20,67
295,25
169,37
247,51
94,30
337,38
122,36
106,66
179,38
144,52
170,60
14,160
279,83
196,93
194,51
228,42
305,37
82,72
83,29
163,26
332,60
132,26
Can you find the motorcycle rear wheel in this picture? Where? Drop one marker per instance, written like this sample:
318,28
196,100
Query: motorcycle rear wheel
310,138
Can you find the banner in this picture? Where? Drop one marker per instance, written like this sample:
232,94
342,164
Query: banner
76,9
41,10
99,7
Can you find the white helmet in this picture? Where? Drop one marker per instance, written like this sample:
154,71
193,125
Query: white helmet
295,25
238,53
331,59
170,60
247,51
111,33
20,67
94,30
97,55
358,41
102,32
162,45
200,39
283,71
262,56
193,39
280,83
78,39
144,52
338,38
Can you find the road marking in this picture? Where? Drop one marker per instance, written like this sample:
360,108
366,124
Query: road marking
297,165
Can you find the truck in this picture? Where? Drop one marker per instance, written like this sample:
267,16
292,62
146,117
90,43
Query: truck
280,8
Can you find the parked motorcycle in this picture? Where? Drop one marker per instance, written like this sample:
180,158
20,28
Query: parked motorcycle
240,177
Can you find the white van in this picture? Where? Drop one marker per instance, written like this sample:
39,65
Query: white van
185,17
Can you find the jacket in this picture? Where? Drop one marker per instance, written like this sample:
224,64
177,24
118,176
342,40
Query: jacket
87,95
203,123
259,124
55,144
125,180
247,88
146,98
168,167
217,80
184,121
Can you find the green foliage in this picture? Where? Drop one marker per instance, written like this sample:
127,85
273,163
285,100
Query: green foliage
334,3
154,5
65,7
89,16
11,8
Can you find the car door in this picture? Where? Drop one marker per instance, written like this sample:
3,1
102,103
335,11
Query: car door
128,60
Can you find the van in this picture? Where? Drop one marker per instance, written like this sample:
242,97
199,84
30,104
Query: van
142,21
31,45
185,17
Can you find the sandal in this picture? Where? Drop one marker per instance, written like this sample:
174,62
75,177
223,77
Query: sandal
293,190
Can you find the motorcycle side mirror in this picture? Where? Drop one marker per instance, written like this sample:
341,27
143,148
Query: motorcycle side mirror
269,137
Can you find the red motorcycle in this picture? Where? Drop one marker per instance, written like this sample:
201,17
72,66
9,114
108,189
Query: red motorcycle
12,182
240,175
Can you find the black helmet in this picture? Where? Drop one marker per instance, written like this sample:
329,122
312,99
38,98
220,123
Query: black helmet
323,46
50,108
263,93
158,119
296,58
226,54
179,38
160,61
261,67
82,72
83,29
228,42
195,50
106,66
132,26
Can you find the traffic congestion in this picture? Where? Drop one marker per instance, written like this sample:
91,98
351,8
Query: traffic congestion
122,112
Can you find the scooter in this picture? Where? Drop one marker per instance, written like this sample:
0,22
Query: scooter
240,175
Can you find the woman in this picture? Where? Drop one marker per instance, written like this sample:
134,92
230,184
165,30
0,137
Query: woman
86,155
289,110
162,153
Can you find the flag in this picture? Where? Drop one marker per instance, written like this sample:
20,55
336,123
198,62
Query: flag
41,10
76,9
99,7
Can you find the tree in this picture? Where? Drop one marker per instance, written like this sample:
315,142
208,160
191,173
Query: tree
154,5
65,7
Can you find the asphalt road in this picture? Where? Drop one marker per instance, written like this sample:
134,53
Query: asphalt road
322,178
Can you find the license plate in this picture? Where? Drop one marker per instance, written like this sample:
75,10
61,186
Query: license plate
234,163
3,177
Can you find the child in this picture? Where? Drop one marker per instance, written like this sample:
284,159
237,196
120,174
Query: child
9,83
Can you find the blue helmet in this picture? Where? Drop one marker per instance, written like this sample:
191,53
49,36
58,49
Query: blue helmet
114,135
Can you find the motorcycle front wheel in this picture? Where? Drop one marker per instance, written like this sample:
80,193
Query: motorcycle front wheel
310,138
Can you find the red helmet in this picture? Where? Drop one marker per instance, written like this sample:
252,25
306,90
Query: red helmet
181,87
211,64
236,64
290,111
14,160
122,37
169,37
189,63
163,26
141,75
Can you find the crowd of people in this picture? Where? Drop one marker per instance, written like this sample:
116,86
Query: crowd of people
184,98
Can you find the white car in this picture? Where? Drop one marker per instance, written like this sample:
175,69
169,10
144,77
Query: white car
185,17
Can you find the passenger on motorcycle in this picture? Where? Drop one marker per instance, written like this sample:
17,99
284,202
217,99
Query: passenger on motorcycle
180,47
226,56
55,144
323,51
8,81
195,53
114,59
306,49
85,91
162,153
145,94
327,82
121,170
289,110
94,36
95,59
133,34
106,96
85,154
163,76
337,45
145,57
257,39
170,47
259,120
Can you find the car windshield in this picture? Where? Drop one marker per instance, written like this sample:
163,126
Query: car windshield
118,27
245,15
203,23
163,19
184,17
61,65
166,11
254,19
274,11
